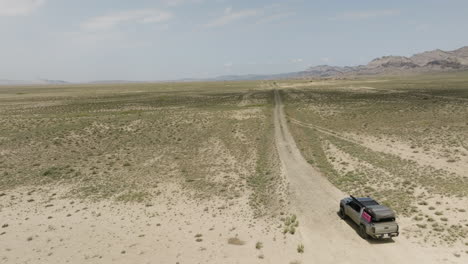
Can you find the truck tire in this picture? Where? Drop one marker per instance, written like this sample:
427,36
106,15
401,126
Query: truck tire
362,232
342,213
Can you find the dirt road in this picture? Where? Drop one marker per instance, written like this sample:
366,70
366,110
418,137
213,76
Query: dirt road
327,238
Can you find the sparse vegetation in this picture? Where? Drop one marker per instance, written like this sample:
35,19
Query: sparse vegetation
122,142
141,146
404,132
300,248
235,241
130,196
290,224
259,245
401,141
422,225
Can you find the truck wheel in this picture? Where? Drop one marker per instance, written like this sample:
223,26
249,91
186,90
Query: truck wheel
342,213
362,232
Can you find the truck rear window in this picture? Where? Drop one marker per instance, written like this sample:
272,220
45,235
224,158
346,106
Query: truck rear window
391,219
368,203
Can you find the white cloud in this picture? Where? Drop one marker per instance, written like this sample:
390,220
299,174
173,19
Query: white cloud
264,15
275,17
181,2
230,16
19,7
326,60
228,64
112,20
86,40
367,14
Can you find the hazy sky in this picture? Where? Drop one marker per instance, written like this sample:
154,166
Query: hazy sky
168,39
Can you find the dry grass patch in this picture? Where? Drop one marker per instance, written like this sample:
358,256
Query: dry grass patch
235,241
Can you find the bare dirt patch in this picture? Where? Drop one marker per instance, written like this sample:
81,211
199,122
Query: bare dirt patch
41,226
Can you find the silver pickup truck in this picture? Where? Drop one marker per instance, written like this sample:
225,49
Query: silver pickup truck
374,220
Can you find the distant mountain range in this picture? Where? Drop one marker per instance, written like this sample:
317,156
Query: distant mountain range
35,82
429,61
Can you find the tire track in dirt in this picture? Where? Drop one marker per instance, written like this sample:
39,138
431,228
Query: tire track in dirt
327,238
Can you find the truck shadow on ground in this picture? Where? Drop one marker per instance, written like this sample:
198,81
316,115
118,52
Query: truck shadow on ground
375,241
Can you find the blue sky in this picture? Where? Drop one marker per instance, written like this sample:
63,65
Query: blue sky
169,39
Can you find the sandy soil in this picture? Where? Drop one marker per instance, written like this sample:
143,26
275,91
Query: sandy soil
327,238
40,226
457,162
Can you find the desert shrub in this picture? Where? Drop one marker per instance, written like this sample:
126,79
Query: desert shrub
235,241
300,248
259,245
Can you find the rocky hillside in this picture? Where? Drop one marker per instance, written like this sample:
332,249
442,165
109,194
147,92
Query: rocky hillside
439,57
429,61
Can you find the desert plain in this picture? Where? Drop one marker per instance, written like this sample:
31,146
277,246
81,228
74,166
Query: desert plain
233,172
